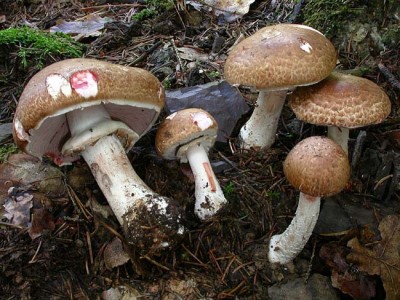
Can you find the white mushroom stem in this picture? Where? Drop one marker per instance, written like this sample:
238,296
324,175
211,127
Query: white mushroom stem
284,247
340,135
109,164
208,193
260,130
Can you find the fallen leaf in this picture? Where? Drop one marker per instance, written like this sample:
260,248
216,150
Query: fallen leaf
18,209
26,171
115,255
231,10
89,27
356,284
122,292
382,258
358,287
42,221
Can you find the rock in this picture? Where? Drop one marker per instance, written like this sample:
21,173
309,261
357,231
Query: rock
317,287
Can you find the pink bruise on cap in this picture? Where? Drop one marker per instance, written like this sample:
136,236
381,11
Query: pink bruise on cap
84,83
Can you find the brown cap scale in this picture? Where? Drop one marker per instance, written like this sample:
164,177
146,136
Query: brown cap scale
187,135
275,59
317,167
341,100
99,110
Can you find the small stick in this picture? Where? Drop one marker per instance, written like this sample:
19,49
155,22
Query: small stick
33,260
113,5
389,76
145,54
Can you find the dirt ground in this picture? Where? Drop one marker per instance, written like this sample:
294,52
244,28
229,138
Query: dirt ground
72,248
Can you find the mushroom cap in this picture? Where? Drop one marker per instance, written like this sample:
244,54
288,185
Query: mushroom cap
130,95
183,128
281,56
317,166
341,100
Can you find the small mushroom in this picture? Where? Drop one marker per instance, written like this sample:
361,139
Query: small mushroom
187,135
98,110
341,102
275,60
317,167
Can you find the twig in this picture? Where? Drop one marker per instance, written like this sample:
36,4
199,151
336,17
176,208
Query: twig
195,257
33,260
89,243
389,76
156,263
145,54
12,225
113,5
296,11
358,146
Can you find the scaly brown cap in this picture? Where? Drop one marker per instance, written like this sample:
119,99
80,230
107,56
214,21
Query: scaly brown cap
341,100
317,166
131,95
181,129
281,56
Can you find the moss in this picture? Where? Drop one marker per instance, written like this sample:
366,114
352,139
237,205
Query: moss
7,150
391,36
331,16
154,7
35,46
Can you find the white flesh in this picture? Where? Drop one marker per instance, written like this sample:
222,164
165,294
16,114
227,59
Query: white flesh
208,193
284,247
260,130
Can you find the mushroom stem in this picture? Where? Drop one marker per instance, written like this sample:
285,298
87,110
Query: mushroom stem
284,247
131,200
209,195
340,135
259,131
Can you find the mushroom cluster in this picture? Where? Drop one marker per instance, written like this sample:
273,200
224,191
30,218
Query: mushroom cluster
98,110
274,60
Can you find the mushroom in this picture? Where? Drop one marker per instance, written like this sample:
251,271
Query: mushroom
317,167
341,102
99,110
275,60
187,135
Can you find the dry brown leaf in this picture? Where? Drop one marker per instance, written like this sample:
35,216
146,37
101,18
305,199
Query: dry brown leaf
383,258
115,255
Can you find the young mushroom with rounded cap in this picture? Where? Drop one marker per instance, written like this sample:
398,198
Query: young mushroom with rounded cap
318,167
341,102
275,60
187,135
99,110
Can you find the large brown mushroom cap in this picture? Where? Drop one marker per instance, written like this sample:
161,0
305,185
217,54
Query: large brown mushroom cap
317,166
341,100
182,128
281,56
131,95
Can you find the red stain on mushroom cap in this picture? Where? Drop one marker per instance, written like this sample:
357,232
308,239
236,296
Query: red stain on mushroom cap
84,83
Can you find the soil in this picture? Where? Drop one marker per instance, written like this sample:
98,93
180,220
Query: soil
77,253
